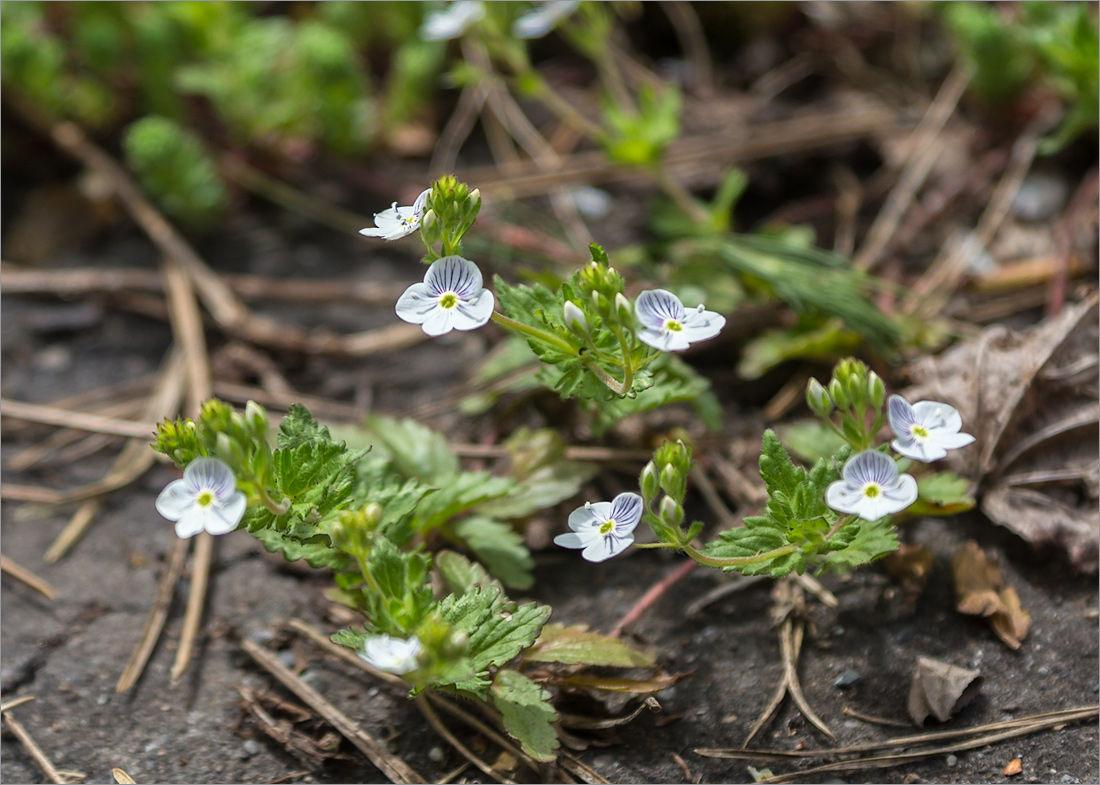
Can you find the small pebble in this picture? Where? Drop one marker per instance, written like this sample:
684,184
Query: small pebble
436,755
847,679
103,699
1043,670
1040,197
251,746
1068,778
952,761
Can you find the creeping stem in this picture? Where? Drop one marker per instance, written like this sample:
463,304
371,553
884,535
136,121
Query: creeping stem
737,561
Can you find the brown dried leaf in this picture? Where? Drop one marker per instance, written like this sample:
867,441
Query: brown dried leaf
910,566
649,684
980,591
1031,400
940,690
1014,767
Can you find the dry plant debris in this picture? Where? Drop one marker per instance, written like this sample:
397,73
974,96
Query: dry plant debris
981,591
941,690
1032,397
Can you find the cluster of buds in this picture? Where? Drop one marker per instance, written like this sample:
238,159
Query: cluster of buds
664,484
852,392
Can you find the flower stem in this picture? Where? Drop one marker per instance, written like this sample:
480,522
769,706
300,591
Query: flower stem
737,561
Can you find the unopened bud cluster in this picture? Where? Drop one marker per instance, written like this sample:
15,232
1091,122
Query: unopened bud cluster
850,395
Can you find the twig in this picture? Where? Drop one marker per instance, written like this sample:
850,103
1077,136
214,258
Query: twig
790,644
580,769
461,123
319,638
17,492
924,152
70,442
390,765
16,702
437,724
592,454
154,622
52,774
849,712
136,457
723,590
25,576
654,593
80,421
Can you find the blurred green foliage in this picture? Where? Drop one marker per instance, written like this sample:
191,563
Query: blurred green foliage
1033,45
176,169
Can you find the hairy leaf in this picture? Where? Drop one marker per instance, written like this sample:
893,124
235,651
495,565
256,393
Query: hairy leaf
500,548
576,646
527,714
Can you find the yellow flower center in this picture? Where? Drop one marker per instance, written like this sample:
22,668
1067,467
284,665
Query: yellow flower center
607,526
673,326
919,431
871,491
205,499
449,300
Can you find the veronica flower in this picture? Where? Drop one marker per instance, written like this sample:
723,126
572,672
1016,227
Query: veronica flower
451,298
543,19
392,655
872,487
603,529
452,21
397,222
206,499
668,326
926,430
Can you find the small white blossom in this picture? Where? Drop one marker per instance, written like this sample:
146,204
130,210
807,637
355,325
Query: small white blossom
452,21
543,19
926,430
392,655
451,298
603,529
206,499
397,222
872,487
668,326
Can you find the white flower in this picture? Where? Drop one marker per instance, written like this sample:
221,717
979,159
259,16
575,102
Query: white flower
205,499
452,21
872,487
451,298
668,326
574,317
603,529
397,222
392,655
539,22
925,430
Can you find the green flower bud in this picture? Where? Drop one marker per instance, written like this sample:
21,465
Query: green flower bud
372,513
671,512
624,310
650,481
670,480
857,390
838,393
256,418
475,196
876,390
574,318
817,398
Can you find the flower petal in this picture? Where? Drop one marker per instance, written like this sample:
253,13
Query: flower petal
454,274
573,540
924,451
227,517
901,415
655,306
870,466
953,441
606,547
175,500
541,21
582,518
416,304
472,315
626,510
191,522
841,498
211,474
938,416
439,321
703,325
666,341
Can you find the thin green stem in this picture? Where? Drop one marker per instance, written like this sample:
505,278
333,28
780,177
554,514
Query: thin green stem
841,522
737,561
628,366
533,332
680,195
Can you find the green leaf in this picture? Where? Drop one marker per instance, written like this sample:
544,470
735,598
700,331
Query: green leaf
576,646
500,548
460,493
824,342
537,306
415,450
350,638
942,493
544,475
299,427
671,381
498,629
462,575
403,595
863,542
527,714
810,440
298,543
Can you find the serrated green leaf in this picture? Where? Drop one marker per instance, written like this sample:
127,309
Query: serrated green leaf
499,547
462,575
576,646
670,380
498,629
316,549
759,534
864,541
415,450
942,493
350,638
527,714
403,595
461,493
299,427
537,306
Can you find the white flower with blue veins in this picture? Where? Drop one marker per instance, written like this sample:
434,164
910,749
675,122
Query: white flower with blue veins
669,326
871,487
451,298
543,19
398,222
603,529
452,21
392,655
206,499
925,430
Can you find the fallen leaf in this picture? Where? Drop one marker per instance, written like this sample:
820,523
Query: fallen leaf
1030,398
980,591
940,690
909,565
1014,767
